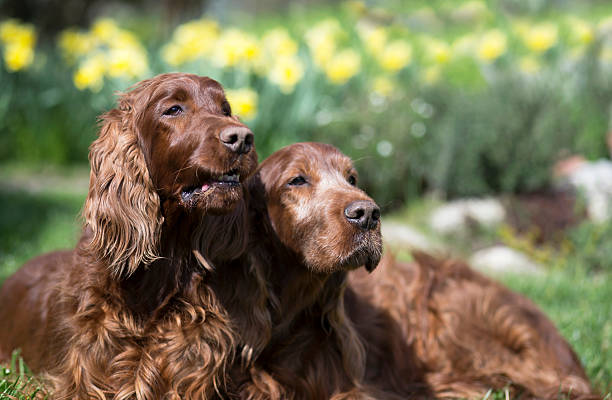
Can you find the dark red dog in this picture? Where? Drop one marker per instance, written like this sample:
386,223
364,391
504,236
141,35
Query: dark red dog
129,313
469,333
310,225
422,330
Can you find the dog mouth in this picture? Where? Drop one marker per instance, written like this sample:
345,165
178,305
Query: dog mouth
360,258
228,180
367,254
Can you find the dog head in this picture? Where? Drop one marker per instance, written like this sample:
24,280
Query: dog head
316,209
171,147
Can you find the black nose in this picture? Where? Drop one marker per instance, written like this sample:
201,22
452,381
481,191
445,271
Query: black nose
238,139
363,213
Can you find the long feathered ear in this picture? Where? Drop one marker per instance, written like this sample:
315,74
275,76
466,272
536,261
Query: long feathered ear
122,208
347,336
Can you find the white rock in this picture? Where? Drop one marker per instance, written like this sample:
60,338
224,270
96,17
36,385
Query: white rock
594,180
405,236
447,219
453,217
502,259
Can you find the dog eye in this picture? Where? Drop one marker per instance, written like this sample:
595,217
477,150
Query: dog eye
174,110
227,110
352,180
297,181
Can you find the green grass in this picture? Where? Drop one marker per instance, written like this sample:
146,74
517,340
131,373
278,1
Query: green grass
36,216
17,382
39,215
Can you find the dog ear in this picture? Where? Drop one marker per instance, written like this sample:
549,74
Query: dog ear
256,192
347,336
122,208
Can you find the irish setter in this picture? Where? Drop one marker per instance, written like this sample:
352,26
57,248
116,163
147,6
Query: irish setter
468,332
421,330
309,225
131,313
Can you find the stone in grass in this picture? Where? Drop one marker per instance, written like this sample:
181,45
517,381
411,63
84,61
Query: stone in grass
405,236
594,181
502,259
455,217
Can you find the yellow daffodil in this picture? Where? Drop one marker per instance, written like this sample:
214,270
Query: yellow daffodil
321,40
252,49
492,45
236,47
437,51
374,38
541,37
125,40
106,50
275,43
127,62
119,63
90,74
126,57
18,41
581,32
104,30
174,55
14,33
326,29
75,44
191,41
9,29
343,66
243,102
322,52
396,55
383,86
278,42
286,72
17,57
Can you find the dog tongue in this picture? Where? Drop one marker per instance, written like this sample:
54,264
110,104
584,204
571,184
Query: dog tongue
205,187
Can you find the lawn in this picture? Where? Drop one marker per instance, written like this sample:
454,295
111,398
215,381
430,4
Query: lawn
39,212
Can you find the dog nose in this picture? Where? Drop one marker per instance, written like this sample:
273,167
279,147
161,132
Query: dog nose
238,139
363,213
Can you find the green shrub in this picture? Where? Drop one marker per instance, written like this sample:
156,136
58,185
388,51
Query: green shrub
475,97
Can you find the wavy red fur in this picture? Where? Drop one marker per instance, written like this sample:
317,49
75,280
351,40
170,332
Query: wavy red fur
131,312
432,328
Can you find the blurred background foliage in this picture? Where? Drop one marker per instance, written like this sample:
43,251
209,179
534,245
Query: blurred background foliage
453,98
465,98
